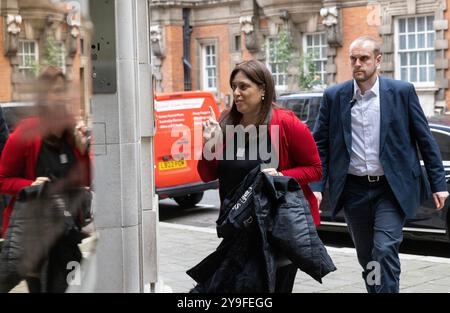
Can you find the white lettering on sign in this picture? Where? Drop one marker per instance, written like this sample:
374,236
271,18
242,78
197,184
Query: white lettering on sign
180,104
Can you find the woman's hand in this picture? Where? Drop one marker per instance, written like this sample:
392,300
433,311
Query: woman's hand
210,127
81,138
40,181
272,172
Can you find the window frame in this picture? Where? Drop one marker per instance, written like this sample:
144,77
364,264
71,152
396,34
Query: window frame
203,67
22,55
275,74
237,47
62,58
324,59
397,51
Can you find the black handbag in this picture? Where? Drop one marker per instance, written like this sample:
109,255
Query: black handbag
237,210
41,216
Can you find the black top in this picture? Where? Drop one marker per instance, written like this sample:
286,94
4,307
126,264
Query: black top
233,168
55,159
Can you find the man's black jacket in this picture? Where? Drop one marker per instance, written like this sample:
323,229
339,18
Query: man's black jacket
263,218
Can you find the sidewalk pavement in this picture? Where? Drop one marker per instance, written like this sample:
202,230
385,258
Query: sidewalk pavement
182,247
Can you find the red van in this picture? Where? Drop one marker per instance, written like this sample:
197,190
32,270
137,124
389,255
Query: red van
178,145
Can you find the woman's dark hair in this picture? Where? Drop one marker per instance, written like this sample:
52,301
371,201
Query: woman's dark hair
259,74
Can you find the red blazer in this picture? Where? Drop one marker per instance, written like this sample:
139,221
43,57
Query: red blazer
298,157
19,160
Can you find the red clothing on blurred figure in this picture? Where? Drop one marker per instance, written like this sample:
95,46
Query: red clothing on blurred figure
19,159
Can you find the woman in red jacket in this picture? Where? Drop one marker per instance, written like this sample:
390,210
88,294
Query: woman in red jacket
50,147
255,110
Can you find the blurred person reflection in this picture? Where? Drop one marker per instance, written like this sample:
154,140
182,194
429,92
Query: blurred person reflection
51,148
4,133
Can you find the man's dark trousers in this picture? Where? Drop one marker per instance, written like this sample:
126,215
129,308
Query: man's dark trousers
375,222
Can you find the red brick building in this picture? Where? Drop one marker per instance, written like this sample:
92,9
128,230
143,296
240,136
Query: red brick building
196,43
25,29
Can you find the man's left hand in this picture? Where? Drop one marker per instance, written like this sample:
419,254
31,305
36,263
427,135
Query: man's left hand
439,199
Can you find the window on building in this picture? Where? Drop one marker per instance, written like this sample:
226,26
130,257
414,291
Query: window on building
209,68
28,56
237,43
315,45
61,56
82,48
415,50
278,69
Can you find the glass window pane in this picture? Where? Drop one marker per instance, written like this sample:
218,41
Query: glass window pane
411,41
421,24
413,58
402,25
413,74
422,58
322,39
402,42
273,68
317,65
404,74
430,40
324,53
316,40
213,60
316,53
411,25
432,73
309,40
421,41
309,50
430,20
422,74
431,57
403,59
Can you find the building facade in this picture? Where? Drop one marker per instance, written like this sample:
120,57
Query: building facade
38,32
196,43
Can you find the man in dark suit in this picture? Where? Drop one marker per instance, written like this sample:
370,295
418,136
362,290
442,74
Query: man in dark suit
367,134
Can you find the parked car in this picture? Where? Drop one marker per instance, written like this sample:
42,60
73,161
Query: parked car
428,224
305,105
176,173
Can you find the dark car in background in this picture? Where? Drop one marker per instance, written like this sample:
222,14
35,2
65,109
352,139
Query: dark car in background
428,224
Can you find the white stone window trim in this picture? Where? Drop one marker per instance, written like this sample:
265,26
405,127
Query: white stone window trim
420,85
204,67
275,74
322,58
22,55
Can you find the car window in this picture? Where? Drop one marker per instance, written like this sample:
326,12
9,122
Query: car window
300,107
314,108
443,141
